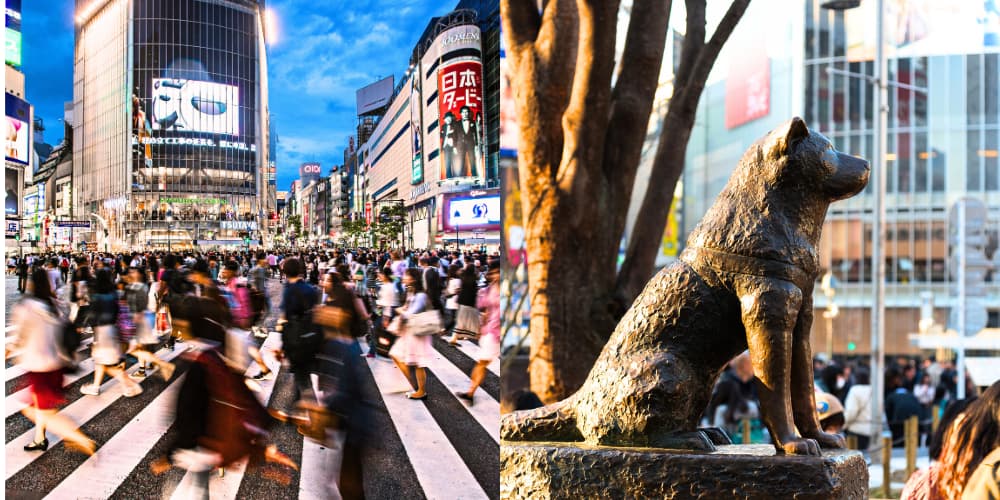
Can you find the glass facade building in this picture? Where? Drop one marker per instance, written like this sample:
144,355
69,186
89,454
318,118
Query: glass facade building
943,135
174,100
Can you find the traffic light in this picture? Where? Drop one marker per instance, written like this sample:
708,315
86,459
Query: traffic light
17,236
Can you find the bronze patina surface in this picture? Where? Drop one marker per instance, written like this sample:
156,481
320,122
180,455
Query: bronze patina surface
745,280
552,470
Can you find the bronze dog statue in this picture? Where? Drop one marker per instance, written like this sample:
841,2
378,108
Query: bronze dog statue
745,280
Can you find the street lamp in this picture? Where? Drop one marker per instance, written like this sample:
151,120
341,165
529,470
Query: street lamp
878,171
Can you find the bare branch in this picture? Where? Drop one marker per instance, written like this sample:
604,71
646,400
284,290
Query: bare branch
521,22
706,58
586,117
694,39
632,99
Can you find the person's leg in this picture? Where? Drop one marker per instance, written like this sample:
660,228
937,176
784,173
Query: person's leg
62,427
421,382
478,374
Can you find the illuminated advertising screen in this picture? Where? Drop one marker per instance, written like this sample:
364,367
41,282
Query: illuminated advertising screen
460,119
479,212
12,46
11,197
309,172
508,113
17,145
416,130
195,106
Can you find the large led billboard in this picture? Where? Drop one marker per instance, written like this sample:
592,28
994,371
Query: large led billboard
416,130
12,47
195,106
482,212
460,101
11,197
17,145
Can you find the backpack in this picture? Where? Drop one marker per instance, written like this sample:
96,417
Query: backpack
301,338
258,304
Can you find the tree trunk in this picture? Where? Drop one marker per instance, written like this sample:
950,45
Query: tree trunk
571,306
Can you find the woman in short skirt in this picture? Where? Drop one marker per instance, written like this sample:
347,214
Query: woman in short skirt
38,327
411,350
489,339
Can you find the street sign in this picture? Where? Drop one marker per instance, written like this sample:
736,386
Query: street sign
13,228
73,223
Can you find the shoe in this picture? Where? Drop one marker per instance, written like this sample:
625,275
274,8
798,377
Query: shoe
44,445
370,354
466,396
90,390
129,392
268,375
140,373
167,371
410,395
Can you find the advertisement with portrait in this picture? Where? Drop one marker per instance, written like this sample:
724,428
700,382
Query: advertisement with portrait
416,129
460,107
467,213
12,205
17,145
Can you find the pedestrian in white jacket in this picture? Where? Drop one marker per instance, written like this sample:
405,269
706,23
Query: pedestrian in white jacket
858,420
38,327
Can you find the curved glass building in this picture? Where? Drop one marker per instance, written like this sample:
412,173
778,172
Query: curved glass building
171,100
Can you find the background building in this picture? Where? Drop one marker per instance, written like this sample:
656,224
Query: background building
942,146
171,126
435,148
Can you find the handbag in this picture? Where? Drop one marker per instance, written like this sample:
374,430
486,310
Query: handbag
425,324
107,349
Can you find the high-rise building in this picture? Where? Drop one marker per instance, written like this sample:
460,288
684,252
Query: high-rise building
171,124
435,149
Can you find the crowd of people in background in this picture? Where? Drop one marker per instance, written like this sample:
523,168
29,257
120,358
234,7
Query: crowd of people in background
964,449
219,306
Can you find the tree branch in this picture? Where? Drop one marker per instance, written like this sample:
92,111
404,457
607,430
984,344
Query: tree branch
709,53
521,22
586,117
632,100
694,39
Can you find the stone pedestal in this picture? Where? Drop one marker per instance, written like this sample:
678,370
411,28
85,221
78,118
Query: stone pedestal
561,470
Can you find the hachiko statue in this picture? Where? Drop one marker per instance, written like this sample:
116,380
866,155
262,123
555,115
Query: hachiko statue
745,280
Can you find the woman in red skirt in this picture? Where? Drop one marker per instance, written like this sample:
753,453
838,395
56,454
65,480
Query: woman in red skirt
38,327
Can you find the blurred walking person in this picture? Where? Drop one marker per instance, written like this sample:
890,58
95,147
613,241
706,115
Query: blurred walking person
489,338
411,349
39,327
146,340
107,349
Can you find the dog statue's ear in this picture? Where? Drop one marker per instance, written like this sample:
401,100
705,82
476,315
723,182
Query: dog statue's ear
785,137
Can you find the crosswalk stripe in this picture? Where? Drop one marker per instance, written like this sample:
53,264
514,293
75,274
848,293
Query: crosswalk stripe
80,411
103,472
486,410
320,468
426,444
472,350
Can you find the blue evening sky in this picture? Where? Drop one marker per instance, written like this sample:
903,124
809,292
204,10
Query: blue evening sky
325,50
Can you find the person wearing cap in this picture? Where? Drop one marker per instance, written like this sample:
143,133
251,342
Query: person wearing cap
830,411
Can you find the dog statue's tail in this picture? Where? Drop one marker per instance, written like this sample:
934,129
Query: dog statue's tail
555,422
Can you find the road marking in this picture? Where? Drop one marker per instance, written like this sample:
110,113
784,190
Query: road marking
486,410
82,410
101,474
440,470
